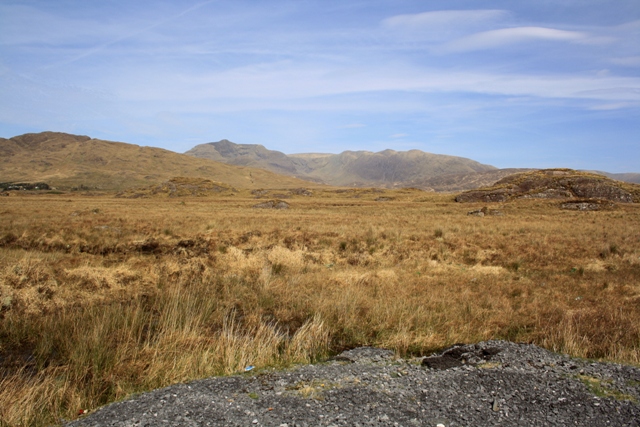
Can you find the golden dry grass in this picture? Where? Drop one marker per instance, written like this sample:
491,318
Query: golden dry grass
104,297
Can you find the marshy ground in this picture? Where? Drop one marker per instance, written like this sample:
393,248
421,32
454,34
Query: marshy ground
102,297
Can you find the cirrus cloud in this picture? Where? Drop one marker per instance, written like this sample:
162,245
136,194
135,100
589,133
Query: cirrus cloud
442,18
508,36
443,24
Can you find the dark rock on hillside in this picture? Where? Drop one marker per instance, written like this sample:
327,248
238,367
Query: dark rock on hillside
555,184
485,211
497,195
301,192
21,186
586,205
460,355
291,193
272,204
493,383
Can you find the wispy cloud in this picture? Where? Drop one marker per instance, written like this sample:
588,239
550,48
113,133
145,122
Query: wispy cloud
509,36
628,61
285,81
128,35
24,25
443,24
610,107
443,18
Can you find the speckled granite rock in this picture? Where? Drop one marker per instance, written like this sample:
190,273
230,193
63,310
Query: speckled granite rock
492,383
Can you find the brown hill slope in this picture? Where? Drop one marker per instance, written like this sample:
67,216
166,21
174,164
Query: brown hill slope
68,161
474,180
387,168
245,155
466,181
555,184
626,177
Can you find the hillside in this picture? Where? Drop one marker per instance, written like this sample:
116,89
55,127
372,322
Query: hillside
466,181
71,161
555,184
386,168
626,177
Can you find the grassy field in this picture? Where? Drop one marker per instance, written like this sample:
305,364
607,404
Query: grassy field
102,297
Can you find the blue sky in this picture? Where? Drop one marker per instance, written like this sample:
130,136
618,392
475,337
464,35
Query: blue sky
509,83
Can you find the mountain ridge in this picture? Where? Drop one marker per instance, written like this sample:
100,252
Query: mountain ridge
387,168
427,171
79,161
71,161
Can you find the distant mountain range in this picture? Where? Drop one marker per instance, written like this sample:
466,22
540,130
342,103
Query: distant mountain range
72,161
626,177
387,168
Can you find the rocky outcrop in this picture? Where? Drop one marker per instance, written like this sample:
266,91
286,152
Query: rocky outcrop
259,193
492,383
555,184
22,186
485,211
587,205
272,204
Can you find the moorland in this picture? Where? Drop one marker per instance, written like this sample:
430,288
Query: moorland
127,268
104,296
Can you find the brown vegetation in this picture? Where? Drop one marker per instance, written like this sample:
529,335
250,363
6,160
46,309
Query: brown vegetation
555,184
102,297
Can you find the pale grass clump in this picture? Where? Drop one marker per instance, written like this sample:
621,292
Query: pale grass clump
94,277
292,261
27,272
28,285
237,261
310,342
488,269
387,276
632,258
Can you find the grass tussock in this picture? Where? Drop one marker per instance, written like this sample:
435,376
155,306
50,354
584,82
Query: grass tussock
101,298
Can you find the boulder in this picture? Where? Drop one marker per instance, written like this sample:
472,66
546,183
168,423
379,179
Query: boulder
459,355
272,204
586,205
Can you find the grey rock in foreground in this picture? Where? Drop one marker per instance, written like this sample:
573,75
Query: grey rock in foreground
487,384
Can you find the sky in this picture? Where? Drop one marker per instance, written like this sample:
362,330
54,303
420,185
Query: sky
512,83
